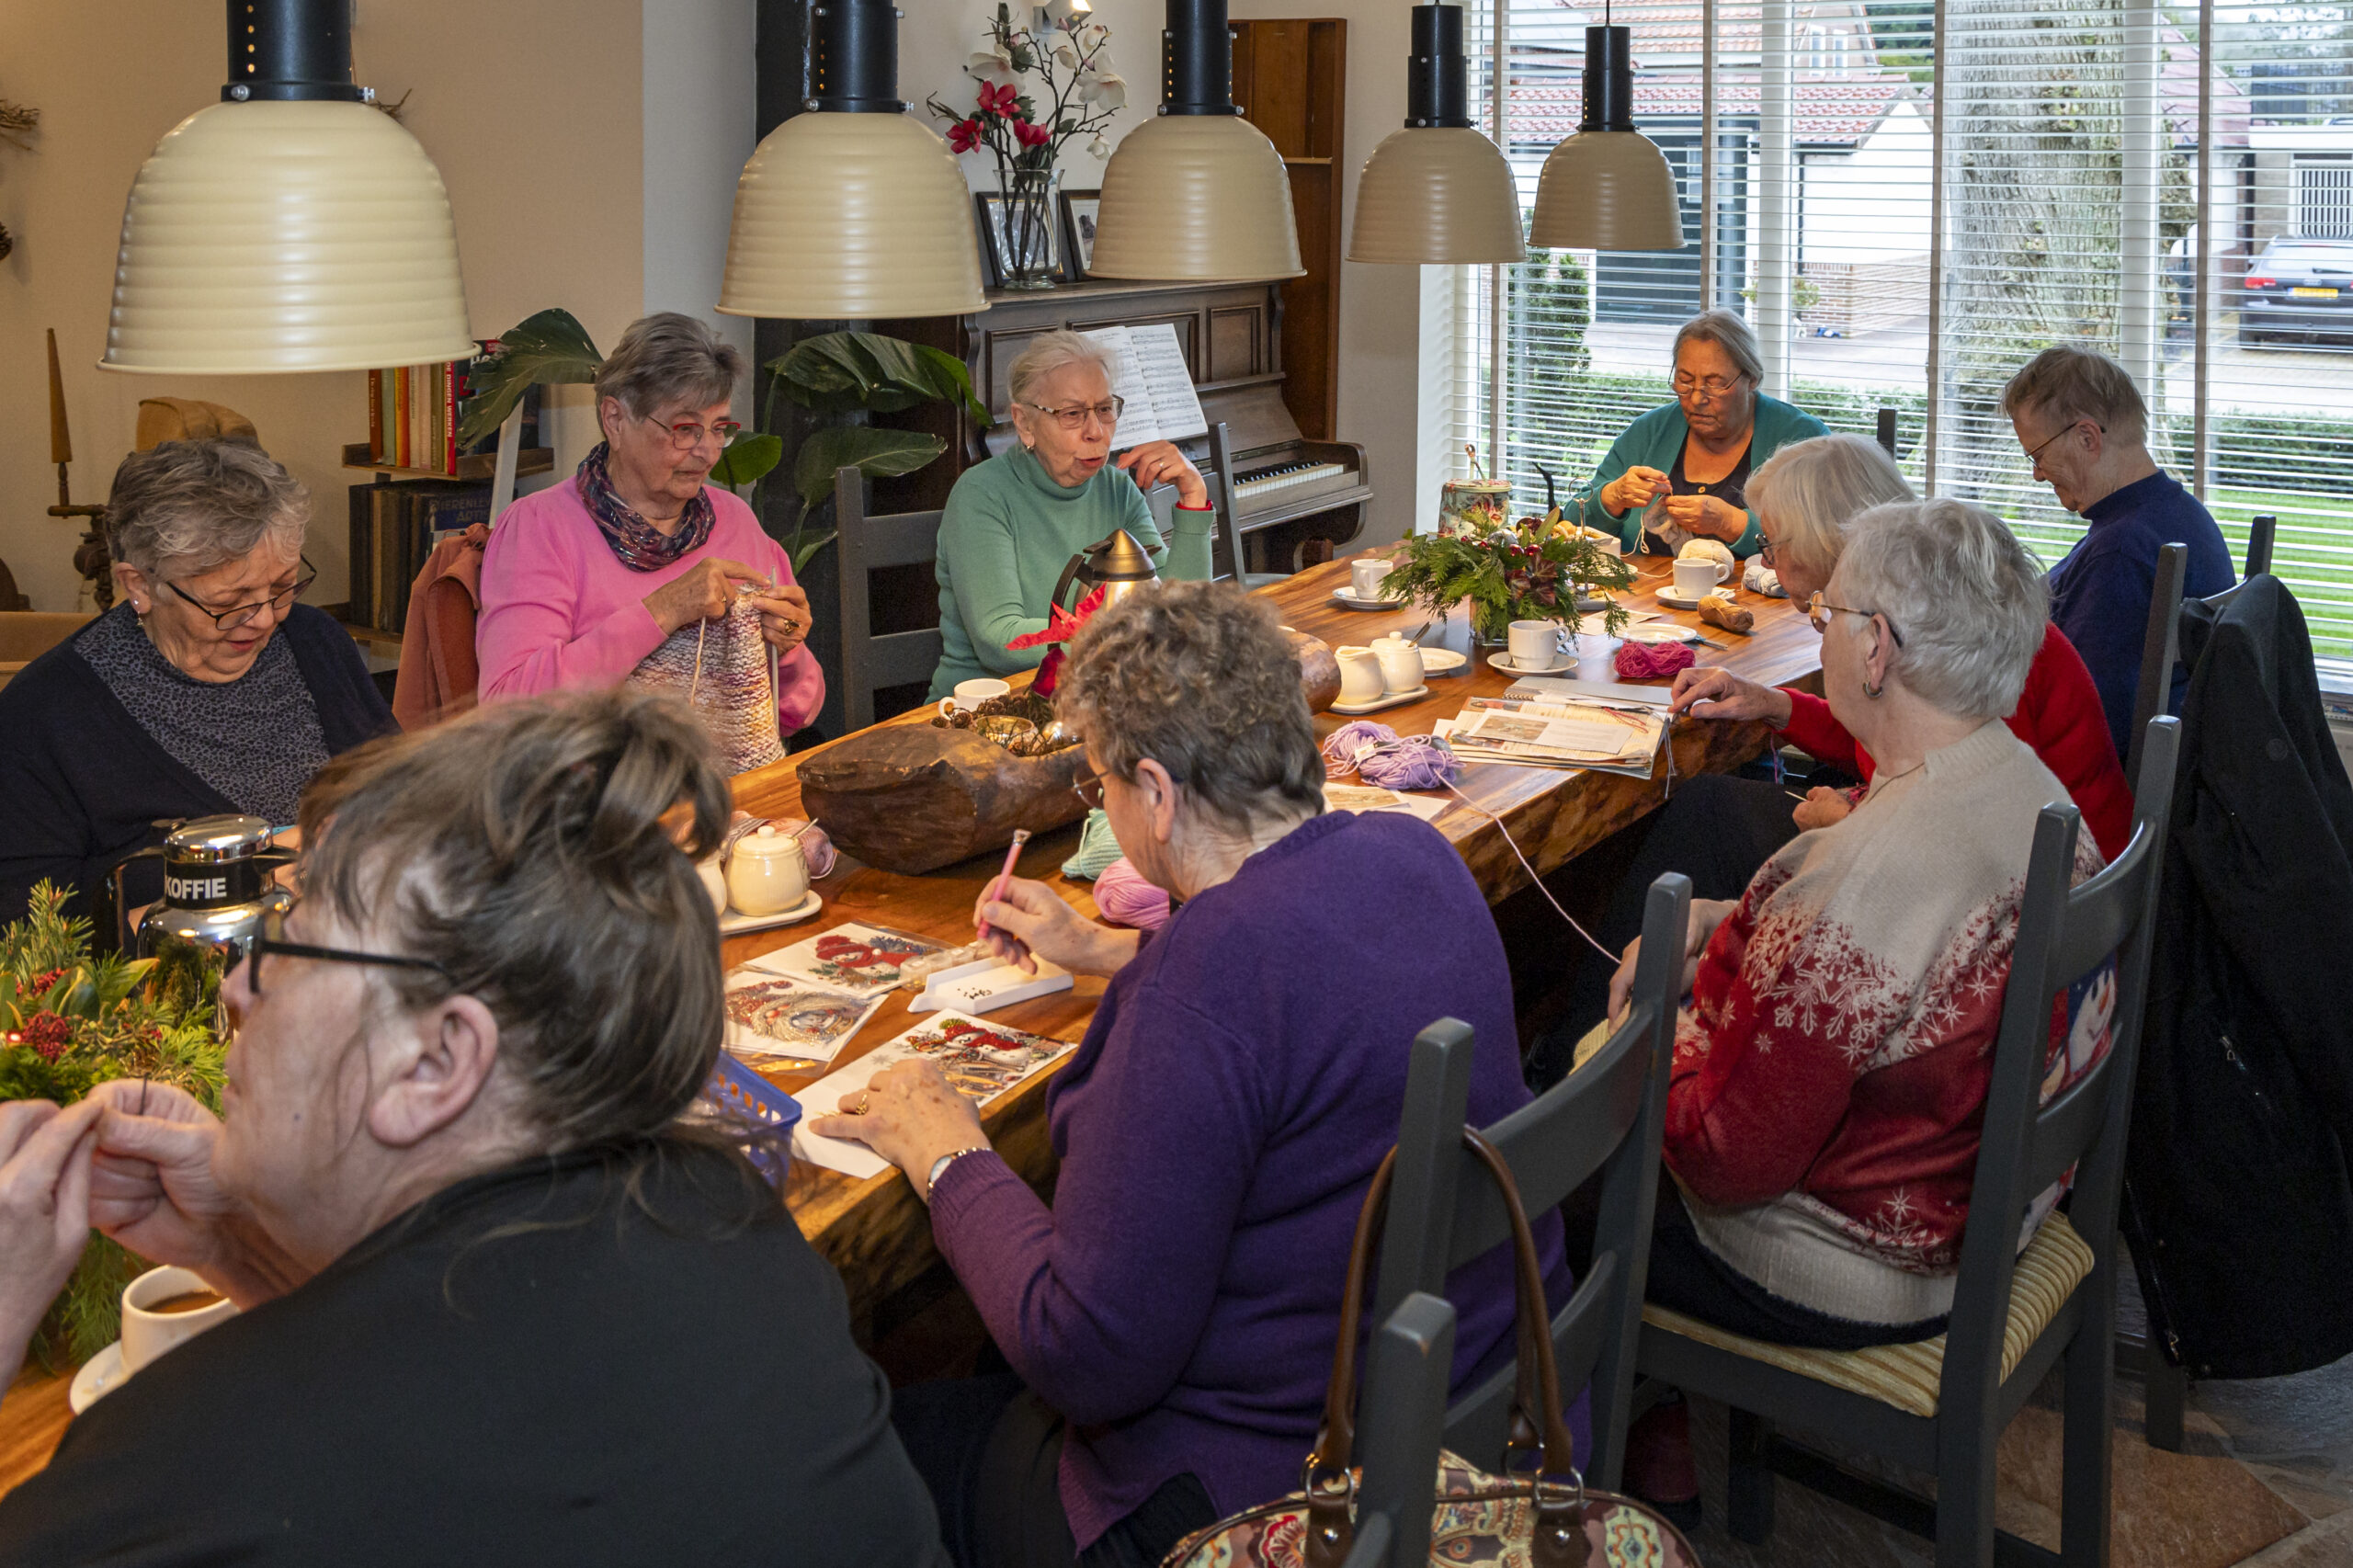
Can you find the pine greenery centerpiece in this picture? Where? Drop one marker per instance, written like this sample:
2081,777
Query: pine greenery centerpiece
70,1022
1533,570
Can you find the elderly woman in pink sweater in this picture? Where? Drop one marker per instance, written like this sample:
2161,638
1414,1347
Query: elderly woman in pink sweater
580,582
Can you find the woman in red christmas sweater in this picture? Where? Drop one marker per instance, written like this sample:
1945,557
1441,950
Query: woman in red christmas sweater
1830,1074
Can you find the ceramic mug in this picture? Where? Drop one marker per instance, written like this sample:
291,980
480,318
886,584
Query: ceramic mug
1400,663
147,1333
1535,644
766,873
1694,575
1365,574
970,694
1359,675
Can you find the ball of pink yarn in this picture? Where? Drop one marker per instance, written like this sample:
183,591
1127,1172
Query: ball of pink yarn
1638,661
1125,899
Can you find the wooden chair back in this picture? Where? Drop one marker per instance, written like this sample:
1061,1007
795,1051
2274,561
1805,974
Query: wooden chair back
864,545
1400,1417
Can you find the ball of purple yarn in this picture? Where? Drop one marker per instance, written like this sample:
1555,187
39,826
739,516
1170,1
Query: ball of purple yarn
1348,745
1415,762
1125,899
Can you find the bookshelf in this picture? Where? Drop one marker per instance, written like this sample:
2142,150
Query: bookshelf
476,465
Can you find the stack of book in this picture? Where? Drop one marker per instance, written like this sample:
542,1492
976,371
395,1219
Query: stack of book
393,528
1566,733
414,411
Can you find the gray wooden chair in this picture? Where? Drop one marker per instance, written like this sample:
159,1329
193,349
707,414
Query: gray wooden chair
863,546
1939,1407
1407,1367
1606,1116
1229,526
2161,643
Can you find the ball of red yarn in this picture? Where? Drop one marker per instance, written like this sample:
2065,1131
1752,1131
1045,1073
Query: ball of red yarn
1642,661
1125,899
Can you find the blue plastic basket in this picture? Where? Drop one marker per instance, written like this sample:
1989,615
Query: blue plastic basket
735,1090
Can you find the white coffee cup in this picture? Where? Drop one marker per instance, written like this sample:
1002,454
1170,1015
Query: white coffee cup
1400,663
146,1333
1534,644
1365,574
970,694
1694,575
1359,675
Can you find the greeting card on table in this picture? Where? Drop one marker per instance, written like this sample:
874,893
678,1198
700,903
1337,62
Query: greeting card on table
980,1060
864,960
787,1023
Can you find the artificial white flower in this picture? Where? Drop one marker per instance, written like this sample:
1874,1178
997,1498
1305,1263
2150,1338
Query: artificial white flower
1105,88
1098,148
991,64
1065,54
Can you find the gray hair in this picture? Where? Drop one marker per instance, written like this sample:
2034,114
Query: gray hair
1199,678
1728,332
1967,596
668,360
181,508
1050,352
2070,382
1813,489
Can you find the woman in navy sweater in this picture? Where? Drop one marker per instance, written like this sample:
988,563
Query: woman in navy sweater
1169,1319
183,701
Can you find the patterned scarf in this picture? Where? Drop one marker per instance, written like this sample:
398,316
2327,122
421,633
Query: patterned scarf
639,546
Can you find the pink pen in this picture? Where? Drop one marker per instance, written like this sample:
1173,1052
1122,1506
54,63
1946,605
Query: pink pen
996,889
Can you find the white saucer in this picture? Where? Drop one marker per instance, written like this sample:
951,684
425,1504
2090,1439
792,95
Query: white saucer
1660,632
100,1376
1386,699
1503,662
733,924
1441,661
1670,596
1348,600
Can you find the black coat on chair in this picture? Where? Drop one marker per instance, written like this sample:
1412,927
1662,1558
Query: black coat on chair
2237,1199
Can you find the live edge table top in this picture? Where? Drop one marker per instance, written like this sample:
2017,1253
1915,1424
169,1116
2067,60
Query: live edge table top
875,1232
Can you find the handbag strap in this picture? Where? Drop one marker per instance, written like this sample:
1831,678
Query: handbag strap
1537,1427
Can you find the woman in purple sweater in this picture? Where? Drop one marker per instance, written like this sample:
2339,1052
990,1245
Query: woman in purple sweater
1169,1321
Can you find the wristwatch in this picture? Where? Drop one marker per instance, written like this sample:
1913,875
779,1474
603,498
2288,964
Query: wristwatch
941,1165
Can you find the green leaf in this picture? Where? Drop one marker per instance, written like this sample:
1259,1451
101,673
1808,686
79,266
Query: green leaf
747,459
550,347
803,552
839,372
879,454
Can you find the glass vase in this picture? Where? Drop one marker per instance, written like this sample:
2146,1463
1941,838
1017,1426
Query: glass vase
1029,242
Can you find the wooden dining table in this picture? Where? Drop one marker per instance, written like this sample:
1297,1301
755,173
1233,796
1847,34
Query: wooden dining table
1507,822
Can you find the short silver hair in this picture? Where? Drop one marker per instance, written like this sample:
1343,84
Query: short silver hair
182,508
1728,332
2070,382
1813,489
1050,352
669,360
1966,595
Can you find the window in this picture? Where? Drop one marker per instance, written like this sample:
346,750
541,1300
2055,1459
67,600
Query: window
2076,135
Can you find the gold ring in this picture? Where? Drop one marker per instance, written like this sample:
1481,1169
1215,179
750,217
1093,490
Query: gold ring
863,1096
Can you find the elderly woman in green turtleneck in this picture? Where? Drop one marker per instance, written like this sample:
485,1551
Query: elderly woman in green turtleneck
1014,522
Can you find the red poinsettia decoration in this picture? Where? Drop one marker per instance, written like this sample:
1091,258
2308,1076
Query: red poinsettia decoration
1061,625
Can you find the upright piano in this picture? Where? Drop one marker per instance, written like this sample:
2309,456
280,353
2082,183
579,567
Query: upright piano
1295,498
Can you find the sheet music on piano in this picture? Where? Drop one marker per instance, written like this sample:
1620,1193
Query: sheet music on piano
1153,380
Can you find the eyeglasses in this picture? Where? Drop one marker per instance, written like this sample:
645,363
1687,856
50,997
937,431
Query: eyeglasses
1818,610
1088,787
1764,553
229,619
1715,386
271,939
2034,457
688,433
1076,417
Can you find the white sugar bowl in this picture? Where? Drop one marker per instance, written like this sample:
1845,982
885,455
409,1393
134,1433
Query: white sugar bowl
766,873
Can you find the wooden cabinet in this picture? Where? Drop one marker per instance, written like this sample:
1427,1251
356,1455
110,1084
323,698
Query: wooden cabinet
1291,81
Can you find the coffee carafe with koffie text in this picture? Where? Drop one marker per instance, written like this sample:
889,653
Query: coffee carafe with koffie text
217,890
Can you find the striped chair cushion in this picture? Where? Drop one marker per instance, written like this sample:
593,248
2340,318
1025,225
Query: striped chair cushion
1907,1376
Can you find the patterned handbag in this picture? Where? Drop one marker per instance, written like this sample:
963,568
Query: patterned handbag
722,670
1524,1518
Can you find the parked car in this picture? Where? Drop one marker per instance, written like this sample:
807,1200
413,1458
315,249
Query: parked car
2299,286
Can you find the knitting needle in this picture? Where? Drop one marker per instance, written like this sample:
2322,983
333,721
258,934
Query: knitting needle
997,891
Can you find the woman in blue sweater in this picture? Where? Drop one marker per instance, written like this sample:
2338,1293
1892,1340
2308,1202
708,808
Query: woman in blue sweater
1679,473
1169,1319
185,699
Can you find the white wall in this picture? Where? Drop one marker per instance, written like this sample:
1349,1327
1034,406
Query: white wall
700,77
1873,203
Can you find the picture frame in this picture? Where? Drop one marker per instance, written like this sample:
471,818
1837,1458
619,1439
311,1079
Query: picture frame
1079,209
996,240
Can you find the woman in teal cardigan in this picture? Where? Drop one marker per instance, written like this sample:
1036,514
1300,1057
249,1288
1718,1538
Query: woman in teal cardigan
1014,522
1680,472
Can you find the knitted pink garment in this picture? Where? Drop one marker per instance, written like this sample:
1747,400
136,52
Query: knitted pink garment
560,611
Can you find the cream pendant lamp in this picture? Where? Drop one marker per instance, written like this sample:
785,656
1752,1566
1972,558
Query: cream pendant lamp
289,227
852,209
1608,187
1438,190
1198,194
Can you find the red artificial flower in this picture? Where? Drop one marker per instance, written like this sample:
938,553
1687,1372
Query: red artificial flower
1031,135
964,135
48,1034
1061,625
1000,100
43,981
